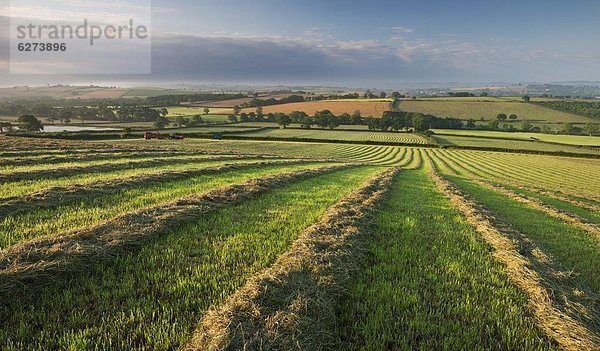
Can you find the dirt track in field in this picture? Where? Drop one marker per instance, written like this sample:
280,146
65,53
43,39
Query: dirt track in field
291,305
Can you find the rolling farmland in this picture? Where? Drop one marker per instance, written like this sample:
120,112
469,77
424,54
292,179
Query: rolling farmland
164,245
466,108
367,108
404,138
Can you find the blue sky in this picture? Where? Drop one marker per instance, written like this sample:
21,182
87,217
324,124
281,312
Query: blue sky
375,43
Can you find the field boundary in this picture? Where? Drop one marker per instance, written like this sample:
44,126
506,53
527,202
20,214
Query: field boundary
291,305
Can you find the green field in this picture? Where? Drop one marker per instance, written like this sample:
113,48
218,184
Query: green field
459,140
488,110
134,244
404,138
560,139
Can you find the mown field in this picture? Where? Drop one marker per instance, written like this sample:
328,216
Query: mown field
488,109
405,138
202,244
560,139
478,142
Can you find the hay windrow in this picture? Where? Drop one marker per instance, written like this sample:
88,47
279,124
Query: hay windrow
31,265
291,305
562,197
565,310
57,196
547,209
105,167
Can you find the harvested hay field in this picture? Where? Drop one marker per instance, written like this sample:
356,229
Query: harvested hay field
367,108
223,244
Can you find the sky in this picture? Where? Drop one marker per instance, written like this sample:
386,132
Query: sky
351,43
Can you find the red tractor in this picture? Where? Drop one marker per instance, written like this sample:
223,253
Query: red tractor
151,135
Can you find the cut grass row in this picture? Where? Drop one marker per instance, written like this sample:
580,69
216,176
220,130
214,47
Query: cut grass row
527,170
378,155
91,210
430,283
564,305
42,182
577,250
153,298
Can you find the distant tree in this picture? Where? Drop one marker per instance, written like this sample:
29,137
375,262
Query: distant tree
5,125
66,121
568,128
396,95
513,117
526,126
493,125
164,112
237,109
383,95
591,128
206,110
470,124
182,121
30,123
306,122
501,117
197,120
259,111
232,118
484,94
526,98
161,123
283,120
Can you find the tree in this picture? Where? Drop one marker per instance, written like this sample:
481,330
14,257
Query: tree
526,98
306,122
232,118
30,123
493,125
396,95
66,121
568,128
237,109
197,120
206,110
484,94
501,117
383,95
591,128
259,111
164,112
5,125
357,118
526,126
161,123
182,121
513,117
283,120
471,124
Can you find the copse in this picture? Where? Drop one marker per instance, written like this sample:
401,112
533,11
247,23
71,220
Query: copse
30,123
